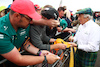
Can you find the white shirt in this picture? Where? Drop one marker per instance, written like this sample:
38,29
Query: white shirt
88,37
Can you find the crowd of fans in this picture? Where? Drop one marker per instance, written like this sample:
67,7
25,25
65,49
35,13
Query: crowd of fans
35,28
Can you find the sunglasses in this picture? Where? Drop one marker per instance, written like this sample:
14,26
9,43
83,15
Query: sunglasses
28,18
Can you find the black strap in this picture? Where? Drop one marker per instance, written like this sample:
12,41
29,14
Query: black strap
45,60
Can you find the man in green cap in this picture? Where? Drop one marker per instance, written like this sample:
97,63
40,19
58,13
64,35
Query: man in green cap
86,40
85,11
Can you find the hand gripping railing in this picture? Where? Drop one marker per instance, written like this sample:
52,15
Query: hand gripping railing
66,52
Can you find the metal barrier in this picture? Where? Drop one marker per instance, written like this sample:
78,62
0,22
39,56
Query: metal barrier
65,57
65,54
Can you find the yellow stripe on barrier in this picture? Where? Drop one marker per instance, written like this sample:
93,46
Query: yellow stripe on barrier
75,49
71,63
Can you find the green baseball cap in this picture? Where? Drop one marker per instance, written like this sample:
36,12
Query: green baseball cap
2,8
85,11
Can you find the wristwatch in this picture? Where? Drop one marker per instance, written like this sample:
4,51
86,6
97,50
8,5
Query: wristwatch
45,60
39,53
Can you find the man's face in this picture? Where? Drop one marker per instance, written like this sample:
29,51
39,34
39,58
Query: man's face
2,13
48,19
25,21
81,18
61,13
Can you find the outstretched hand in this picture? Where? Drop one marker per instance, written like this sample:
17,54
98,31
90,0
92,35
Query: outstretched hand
52,23
73,44
44,53
51,58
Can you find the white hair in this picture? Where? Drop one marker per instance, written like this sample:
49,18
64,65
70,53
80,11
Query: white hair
89,16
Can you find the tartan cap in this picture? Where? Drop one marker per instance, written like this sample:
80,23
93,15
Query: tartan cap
85,11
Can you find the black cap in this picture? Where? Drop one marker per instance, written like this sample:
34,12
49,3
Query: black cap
50,13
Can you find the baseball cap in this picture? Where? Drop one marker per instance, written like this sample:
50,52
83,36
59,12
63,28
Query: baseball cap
25,7
85,11
2,8
37,6
9,6
50,13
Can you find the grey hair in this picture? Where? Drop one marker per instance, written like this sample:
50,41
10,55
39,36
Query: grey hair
89,16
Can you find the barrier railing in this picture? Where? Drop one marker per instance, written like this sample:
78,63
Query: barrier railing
65,57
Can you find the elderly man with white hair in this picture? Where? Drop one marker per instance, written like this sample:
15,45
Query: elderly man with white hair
86,40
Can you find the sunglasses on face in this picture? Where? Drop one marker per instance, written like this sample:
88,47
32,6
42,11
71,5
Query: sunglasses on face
28,18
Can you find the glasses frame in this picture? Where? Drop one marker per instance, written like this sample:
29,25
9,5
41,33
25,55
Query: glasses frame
30,19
